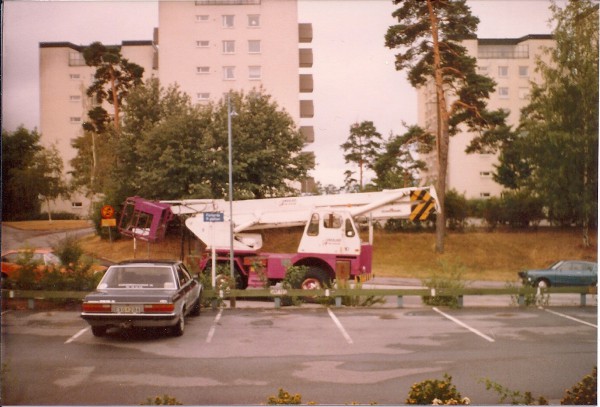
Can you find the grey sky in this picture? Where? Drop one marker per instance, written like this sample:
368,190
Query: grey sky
354,74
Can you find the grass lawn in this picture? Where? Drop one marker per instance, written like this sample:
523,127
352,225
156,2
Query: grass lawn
492,256
49,225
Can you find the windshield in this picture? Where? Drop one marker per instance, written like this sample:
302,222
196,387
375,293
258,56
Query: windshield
133,277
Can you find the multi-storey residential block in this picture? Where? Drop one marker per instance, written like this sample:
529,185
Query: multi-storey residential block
208,48
64,79
511,63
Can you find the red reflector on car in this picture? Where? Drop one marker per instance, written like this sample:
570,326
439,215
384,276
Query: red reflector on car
95,307
159,307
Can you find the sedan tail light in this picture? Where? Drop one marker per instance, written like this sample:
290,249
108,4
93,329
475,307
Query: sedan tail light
95,307
159,307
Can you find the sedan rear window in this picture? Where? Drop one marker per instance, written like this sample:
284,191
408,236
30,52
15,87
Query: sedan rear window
138,277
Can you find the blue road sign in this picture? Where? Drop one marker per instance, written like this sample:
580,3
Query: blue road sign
213,217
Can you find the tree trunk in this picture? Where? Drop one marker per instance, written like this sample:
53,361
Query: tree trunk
442,140
115,100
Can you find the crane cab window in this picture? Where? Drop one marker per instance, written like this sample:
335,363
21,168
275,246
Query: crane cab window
332,221
313,226
349,228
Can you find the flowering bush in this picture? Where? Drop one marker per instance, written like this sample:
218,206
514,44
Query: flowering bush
584,392
283,397
436,392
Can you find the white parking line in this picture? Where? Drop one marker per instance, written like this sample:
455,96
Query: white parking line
571,318
340,326
211,332
456,321
77,335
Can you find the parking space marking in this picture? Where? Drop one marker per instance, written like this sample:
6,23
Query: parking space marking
458,322
77,335
211,332
340,326
571,318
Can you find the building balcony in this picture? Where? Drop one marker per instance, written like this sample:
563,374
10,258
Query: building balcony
307,109
308,132
305,33
306,58
306,83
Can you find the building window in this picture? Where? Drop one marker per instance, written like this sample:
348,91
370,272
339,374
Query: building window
228,47
76,205
483,70
76,59
202,44
485,174
503,51
75,98
254,72
485,195
75,120
523,93
74,76
524,71
503,71
229,73
202,18
203,96
503,92
253,20
203,70
254,46
228,21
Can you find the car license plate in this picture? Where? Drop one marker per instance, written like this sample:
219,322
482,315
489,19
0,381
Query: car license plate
128,309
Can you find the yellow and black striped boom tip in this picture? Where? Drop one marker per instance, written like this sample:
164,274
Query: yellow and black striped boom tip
424,205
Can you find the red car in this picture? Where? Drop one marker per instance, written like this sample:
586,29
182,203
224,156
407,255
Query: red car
10,259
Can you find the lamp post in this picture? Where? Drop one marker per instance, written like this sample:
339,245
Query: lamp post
230,113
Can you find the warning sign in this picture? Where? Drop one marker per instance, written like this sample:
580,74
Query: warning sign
424,207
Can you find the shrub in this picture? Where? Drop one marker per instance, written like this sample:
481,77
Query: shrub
515,396
164,400
436,392
584,392
283,397
68,250
294,276
456,207
449,280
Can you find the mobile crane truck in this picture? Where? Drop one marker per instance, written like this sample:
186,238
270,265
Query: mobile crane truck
330,246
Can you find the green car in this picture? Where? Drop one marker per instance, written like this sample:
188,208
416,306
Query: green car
562,273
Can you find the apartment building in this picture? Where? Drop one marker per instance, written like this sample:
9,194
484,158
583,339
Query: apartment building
64,79
208,48
511,62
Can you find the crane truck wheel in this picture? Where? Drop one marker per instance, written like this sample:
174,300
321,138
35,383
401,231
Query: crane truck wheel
315,279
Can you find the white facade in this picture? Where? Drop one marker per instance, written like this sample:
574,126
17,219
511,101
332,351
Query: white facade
64,79
511,64
207,47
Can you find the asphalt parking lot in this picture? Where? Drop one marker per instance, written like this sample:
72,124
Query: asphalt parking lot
328,355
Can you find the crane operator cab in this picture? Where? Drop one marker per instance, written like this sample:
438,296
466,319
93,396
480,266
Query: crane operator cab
330,231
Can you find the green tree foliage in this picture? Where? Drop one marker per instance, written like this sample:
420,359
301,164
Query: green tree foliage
19,197
169,148
428,40
29,171
267,146
362,147
560,125
50,180
396,166
113,79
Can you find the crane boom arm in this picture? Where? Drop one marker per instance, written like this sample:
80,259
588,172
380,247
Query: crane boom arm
257,214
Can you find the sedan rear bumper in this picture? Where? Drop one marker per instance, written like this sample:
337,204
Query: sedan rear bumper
133,320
